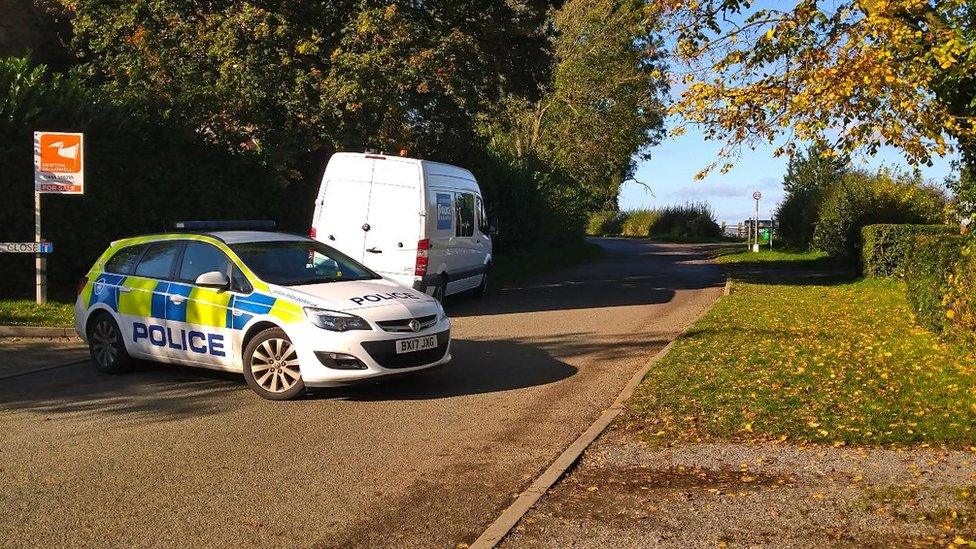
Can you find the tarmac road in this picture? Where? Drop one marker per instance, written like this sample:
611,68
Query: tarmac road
174,457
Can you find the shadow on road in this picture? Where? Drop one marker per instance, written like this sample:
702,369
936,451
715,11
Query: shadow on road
634,272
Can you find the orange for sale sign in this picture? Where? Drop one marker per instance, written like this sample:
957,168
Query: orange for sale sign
59,162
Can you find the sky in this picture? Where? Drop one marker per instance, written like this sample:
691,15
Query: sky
670,174
671,170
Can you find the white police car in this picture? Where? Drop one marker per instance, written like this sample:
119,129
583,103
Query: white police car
287,311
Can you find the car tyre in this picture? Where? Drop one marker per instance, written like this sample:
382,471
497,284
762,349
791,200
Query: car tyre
271,366
482,288
105,344
440,291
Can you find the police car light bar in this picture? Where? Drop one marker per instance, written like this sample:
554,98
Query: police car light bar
221,225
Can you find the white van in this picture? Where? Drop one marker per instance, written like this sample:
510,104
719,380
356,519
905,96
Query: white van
417,222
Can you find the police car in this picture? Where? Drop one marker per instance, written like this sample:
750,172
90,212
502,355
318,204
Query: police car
287,311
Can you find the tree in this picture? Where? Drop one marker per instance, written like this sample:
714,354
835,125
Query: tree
858,74
808,176
307,77
603,107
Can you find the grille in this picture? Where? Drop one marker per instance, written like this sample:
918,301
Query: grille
384,352
403,324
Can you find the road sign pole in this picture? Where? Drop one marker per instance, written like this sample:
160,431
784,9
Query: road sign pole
40,261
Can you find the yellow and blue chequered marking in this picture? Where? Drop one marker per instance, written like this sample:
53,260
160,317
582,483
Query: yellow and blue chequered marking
150,298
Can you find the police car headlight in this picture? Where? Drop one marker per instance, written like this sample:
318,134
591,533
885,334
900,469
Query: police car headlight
441,314
335,321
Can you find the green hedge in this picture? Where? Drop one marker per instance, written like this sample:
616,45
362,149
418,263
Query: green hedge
140,175
884,246
929,263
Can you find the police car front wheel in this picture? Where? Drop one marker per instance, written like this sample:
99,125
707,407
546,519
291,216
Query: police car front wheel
271,366
106,347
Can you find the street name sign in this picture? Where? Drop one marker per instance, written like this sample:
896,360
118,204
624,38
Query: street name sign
26,247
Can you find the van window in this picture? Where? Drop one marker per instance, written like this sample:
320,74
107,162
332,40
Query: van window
465,215
482,217
124,260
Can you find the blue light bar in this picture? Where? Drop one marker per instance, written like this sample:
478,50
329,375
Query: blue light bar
226,225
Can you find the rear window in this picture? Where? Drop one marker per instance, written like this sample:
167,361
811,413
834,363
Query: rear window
124,261
159,259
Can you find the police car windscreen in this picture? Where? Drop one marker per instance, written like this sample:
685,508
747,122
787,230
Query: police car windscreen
296,263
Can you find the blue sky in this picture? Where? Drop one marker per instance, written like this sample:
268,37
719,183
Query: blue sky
670,174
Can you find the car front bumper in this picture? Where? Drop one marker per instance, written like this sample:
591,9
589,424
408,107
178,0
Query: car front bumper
374,350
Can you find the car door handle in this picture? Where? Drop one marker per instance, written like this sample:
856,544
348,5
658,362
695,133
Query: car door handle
125,289
374,250
176,299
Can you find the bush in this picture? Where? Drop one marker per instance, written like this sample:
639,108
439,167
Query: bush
140,175
861,199
884,246
639,222
929,262
605,223
693,220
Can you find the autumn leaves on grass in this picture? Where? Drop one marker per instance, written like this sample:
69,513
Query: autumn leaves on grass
836,364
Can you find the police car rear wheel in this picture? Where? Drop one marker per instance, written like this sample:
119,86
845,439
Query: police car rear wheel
271,366
106,347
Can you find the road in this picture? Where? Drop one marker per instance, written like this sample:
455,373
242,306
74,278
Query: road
168,456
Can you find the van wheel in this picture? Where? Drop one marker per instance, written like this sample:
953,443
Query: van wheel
106,347
440,291
271,366
482,288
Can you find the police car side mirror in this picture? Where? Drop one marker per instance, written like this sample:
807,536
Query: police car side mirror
213,279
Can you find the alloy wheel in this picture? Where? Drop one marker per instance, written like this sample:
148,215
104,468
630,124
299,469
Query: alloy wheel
274,365
104,343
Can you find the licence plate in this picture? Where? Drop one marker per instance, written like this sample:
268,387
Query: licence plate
416,344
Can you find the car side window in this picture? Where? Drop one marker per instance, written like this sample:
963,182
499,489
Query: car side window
200,257
465,214
482,217
124,261
159,260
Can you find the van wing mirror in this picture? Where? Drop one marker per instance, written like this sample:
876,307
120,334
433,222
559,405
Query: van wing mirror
213,279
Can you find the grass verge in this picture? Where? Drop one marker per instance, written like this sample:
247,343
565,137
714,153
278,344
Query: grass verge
831,363
769,258
28,313
513,267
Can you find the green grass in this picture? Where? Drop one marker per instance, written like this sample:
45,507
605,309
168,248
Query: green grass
743,256
29,313
514,267
840,363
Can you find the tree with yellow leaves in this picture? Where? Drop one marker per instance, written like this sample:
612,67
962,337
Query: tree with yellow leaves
854,75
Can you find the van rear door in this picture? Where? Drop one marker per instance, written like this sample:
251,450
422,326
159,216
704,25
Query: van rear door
395,205
343,205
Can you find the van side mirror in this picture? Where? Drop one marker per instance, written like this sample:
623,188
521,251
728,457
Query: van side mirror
213,279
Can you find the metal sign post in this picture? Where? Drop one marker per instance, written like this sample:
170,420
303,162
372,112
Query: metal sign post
40,261
58,169
756,196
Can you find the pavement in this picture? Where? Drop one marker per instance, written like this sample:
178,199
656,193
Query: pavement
626,493
174,457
